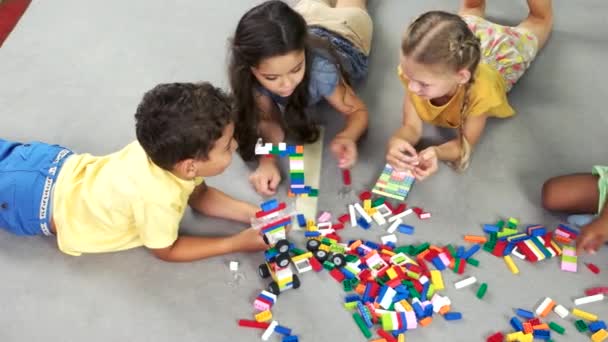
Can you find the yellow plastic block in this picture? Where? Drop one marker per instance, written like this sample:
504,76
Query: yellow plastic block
406,305
264,316
301,257
324,248
284,282
437,280
391,273
511,264
514,337
599,335
401,338
367,204
584,315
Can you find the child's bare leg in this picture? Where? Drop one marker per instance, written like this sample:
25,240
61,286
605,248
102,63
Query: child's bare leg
352,3
540,20
473,7
573,194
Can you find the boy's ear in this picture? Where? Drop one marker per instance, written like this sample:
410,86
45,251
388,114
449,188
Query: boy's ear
464,76
186,168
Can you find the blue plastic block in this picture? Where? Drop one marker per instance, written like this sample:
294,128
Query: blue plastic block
460,252
597,325
428,310
391,245
438,264
301,221
352,298
372,245
362,223
524,313
282,330
516,324
405,229
452,316
474,249
292,338
312,234
490,228
542,334
270,205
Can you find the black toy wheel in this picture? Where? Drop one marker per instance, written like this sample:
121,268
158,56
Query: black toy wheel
263,271
265,239
274,288
312,245
321,255
296,282
282,246
338,260
282,260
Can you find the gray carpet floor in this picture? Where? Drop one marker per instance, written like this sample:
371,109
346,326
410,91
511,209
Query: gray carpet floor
73,72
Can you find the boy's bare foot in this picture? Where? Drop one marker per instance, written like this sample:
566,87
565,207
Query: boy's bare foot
249,240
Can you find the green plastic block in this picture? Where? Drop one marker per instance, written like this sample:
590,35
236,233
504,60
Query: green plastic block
350,305
557,328
347,285
421,248
472,261
378,201
354,282
581,326
456,265
351,258
414,293
431,291
359,320
327,241
314,193
482,290
296,176
297,251
387,322
328,265
500,224
452,250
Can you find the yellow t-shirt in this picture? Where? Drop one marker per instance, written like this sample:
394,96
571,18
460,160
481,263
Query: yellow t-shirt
488,95
116,202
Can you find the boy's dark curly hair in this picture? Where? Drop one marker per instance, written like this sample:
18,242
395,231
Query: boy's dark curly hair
178,121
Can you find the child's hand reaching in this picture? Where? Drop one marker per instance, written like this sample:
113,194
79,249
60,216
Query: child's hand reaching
592,237
248,240
266,178
427,163
345,151
401,155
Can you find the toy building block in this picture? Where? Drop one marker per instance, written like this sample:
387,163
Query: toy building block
545,307
394,184
584,315
465,282
589,299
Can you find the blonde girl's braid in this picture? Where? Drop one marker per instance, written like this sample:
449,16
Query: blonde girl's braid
468,49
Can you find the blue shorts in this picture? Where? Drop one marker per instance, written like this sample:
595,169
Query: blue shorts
27,175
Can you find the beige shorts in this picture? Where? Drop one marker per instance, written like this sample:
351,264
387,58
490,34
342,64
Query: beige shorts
352,23
510,50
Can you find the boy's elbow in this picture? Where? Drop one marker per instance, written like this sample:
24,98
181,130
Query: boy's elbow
163,254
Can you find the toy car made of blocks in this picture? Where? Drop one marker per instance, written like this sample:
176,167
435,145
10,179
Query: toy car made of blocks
272,221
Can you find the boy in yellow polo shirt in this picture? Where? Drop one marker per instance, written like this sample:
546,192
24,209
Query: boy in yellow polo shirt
138,195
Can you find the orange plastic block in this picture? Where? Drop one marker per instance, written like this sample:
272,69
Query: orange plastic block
527,328
475,238
425,321
299,149
543,326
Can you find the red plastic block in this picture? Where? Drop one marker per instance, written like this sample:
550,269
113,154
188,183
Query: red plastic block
365,195
388,337
263,213
593,268
461,266
253,324
338,226
344,218
499,249
315,264
498,337
401,208
336,274
346,176
596,290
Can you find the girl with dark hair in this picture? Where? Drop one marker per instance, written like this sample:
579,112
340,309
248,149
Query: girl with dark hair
284,60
